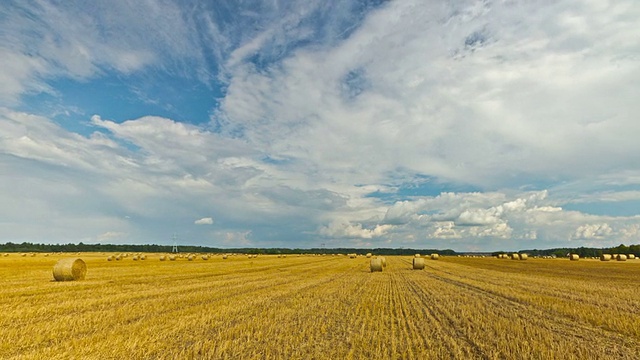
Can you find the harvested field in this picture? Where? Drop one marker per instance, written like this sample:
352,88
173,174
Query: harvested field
321,307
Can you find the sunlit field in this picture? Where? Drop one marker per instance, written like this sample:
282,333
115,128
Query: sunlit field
319,307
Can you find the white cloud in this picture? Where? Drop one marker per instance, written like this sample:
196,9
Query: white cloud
347,230
204,221
591,231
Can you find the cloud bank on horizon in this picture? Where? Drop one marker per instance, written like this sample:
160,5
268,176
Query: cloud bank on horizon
470,125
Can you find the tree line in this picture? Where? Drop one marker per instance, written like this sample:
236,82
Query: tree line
154,248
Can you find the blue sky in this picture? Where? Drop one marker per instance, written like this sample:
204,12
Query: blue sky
470,125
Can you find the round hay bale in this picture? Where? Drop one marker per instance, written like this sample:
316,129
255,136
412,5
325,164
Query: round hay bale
631,256
109,258
435,256
621,257
515,256
368,255
574,257
205,257
6,254
135,258
605,257
143,257
32,254
375,265
163,258
69,269
23,255
224,256
384,261
524,256
418,263
352,256
118,257
416,255
190,257
172,258
46,255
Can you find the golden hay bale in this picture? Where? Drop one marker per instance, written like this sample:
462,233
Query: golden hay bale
135,258
109,258
375,265
574,257
205,257
163,258
6,254
32,254
190,257
118,257
46,255
515,256
631,256
621,257
352,256
143,257
416,255
368,255
524,256
69,269
279,256
224,256
435,256
605,257
384,261
284,256
172,258
23,255
418,263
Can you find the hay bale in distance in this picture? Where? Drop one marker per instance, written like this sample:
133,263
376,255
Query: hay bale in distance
205,257
110,258
118,257
375,265
524,256
143,257
631,256
135,258
69,269
605,257
368,255
621,257
172,258
23,255
352,256
190,257
163,258
574,257
515,256
416,255
418,263
435,256
224,256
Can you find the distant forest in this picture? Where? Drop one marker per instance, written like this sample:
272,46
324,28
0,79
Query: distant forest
80,247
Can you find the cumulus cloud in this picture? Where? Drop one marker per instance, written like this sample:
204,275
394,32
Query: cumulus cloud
204,221
592,231
348,230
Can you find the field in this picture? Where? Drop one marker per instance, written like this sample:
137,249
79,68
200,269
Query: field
320,307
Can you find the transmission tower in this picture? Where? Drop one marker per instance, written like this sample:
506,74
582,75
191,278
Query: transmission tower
175,244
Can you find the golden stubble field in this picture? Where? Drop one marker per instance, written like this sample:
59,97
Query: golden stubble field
320,307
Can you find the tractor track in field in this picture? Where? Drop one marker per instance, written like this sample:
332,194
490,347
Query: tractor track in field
556,322
436,315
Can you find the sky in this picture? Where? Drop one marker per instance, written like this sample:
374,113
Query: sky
464,125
